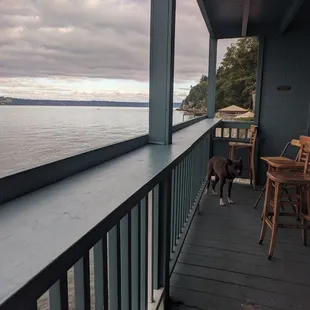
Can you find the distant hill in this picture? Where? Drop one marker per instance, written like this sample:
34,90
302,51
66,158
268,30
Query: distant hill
94,103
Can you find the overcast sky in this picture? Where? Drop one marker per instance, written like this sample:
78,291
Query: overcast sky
93,49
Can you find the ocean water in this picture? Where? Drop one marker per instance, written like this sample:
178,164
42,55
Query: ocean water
31,136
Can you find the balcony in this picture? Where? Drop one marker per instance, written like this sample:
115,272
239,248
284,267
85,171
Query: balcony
117,227
79,251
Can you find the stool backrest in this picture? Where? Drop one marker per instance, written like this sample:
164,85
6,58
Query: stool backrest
253,130
303,140
296,143
306,151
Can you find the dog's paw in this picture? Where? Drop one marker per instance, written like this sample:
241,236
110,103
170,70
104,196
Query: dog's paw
222,202
214,193
230,200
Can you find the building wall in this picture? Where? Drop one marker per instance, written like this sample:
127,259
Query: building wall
284,114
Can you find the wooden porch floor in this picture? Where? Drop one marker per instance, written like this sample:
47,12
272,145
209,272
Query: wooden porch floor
222,266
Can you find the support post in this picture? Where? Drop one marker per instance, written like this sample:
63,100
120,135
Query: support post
161,70
212,77
259,79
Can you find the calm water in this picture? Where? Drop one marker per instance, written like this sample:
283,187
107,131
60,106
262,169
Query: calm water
32,136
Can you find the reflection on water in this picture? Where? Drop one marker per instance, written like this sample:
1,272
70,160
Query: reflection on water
32,136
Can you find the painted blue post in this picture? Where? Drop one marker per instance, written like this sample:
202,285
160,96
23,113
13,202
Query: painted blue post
144,253
114,267
164,235
212,77
135,256
125,236
82,283
161,71
155,232
101,273
58,294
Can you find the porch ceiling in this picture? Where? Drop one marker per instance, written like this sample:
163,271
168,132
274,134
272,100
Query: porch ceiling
237,18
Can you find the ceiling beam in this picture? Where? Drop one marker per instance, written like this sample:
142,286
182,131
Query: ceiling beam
245,17
203,10
290,14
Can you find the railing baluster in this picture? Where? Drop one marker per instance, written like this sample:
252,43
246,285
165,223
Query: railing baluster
135,256
191,177
182,193
204,155
143,254
196,172
186,188
164,223
125,262
172,220
238,133
155,209
178,199
58,294
150,248
174,210
185,191
201,144
114,267
101,274
81,283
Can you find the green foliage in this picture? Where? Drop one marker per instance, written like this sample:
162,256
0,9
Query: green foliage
236,78
197,97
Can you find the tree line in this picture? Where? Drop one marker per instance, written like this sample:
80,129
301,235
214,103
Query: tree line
235,78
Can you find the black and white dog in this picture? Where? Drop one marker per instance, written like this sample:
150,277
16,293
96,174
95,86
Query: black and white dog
223,169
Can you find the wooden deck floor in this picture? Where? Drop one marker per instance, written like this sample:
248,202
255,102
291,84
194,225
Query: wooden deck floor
222,266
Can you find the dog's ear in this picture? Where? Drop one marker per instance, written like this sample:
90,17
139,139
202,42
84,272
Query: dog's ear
229,161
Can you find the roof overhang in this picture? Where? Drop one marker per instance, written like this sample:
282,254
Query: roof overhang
240,18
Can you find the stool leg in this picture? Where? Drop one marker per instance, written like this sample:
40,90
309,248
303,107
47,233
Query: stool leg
304,231
231,152
260,197
250,169
274,231
265,210
301,209
253,169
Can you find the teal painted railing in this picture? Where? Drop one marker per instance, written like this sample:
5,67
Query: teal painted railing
127,262
233,131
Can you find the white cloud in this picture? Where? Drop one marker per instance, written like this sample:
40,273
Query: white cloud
91,39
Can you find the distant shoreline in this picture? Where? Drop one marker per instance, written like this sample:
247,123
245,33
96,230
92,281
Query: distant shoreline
59,103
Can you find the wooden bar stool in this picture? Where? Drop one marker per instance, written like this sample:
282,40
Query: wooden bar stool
276,180
280,162
251,149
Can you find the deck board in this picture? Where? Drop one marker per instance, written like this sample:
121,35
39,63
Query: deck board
222,266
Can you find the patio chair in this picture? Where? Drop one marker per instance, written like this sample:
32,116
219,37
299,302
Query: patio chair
251,150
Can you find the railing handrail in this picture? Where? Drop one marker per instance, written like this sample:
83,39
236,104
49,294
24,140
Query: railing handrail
161,158
235,124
